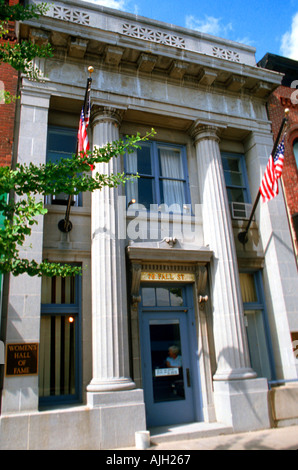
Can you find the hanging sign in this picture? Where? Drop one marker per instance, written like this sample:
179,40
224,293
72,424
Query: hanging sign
21,359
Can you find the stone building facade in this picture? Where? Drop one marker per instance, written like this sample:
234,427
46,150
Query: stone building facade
173,320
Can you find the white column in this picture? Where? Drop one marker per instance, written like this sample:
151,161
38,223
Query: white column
238,402
20,393
230,341
109,305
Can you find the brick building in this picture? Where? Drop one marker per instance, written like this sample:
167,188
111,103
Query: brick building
286,96
8,82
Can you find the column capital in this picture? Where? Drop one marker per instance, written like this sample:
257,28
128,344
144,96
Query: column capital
202,131
101,114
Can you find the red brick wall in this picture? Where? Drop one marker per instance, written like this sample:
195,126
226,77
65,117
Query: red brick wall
278,102
9,77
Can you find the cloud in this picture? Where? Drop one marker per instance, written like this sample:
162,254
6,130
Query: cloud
289,41
209,25
117,4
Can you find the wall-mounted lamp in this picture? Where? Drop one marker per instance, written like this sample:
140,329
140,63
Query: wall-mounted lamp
132,201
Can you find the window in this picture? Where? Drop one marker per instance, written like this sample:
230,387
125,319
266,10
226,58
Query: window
59,363
237,184
62,143
162,297
295,149
162,181
257,326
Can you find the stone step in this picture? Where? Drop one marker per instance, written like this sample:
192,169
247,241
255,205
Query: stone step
187,431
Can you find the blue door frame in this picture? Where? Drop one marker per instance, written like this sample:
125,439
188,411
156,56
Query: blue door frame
172,391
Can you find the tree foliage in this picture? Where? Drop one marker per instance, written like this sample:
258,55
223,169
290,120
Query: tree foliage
27,184
20,55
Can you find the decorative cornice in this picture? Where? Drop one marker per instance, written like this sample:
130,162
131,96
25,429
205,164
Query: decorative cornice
152,31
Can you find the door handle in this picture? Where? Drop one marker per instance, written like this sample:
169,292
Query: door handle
188,377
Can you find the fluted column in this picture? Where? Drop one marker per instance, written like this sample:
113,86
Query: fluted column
229,333
109,307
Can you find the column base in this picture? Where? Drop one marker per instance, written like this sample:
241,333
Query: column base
242,404
110,385
235,374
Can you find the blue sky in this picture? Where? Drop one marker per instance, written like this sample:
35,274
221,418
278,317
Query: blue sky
267,25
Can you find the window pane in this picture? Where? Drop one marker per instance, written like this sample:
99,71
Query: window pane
144,161
172,182
233,171
166,358
172,195
58,290
171,163
248,288
57,356
235,195
257,344
145,192
61,141
176,297
148,296
162,297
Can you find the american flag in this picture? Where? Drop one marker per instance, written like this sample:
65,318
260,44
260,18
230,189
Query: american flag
269,185
83,142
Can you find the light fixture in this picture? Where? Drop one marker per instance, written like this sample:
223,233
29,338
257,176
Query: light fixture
132,201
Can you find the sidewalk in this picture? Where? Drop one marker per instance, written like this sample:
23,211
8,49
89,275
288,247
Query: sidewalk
216,436
269,439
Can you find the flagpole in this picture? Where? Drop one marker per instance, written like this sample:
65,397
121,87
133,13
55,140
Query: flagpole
65,224
242,236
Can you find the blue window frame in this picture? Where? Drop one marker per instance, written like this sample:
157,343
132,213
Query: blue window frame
236,177
237,185
163,177
61,143
60,341
257,324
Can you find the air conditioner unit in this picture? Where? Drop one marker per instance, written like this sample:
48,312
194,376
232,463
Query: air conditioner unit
240,210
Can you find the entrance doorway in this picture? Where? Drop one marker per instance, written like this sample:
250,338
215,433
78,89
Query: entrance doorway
169,361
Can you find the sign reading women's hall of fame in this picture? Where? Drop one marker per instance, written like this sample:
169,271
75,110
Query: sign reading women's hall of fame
21,359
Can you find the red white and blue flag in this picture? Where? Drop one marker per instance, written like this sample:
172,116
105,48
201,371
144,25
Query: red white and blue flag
83,142
269,185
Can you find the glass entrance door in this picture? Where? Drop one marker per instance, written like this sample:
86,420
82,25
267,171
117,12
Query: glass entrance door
169,373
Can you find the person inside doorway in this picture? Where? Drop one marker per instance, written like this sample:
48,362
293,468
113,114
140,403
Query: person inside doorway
174,359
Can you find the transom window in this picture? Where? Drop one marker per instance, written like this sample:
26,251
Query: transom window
162,297
163,179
